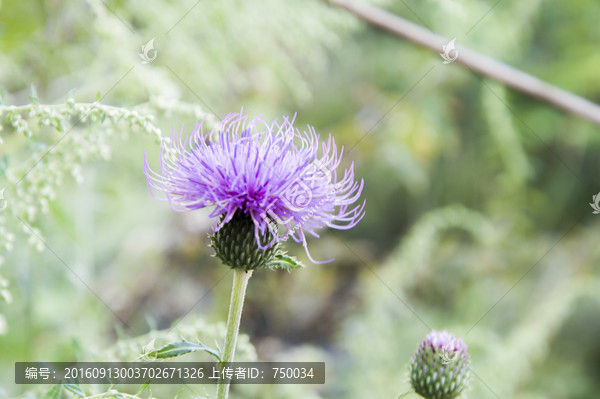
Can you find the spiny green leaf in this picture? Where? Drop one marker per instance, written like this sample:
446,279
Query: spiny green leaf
75,389
54,393
285,262
179,348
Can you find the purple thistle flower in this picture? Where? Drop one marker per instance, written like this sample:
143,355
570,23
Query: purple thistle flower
271,173
440,368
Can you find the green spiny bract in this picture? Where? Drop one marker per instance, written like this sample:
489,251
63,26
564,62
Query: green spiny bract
440,369
235,245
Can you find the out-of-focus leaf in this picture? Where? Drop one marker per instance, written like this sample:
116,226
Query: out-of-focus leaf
75,389
285,262
179,348
33,96
144,387
54,393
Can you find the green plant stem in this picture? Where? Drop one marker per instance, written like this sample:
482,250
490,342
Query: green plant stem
238,292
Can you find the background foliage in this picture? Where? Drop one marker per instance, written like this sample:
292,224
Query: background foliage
477,217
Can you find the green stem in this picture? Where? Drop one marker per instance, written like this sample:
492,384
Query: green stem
238,292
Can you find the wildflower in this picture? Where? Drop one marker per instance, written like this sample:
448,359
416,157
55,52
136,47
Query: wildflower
268,179
440,369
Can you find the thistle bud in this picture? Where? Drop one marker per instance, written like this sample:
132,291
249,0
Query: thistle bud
235,244
440,368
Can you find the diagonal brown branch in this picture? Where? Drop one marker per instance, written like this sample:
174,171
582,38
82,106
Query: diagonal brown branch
475,61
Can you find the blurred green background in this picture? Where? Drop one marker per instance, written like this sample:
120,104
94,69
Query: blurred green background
477,217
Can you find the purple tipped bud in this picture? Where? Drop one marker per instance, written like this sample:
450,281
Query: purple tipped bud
440,368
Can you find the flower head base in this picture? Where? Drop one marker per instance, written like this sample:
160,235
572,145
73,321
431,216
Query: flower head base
270,174
440,369
235,246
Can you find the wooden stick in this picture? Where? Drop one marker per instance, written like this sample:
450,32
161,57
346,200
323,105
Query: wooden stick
475,61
